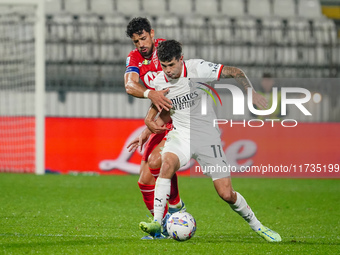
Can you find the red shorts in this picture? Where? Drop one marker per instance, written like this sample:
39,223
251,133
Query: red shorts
154,140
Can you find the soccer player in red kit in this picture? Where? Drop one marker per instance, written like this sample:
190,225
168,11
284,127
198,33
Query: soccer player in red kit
142,64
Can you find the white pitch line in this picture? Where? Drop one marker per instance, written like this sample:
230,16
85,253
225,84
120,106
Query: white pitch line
49,235
227,237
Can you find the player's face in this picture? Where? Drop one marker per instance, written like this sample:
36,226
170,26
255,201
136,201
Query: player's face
173,69
144,43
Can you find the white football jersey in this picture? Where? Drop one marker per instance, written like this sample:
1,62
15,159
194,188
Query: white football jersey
186,94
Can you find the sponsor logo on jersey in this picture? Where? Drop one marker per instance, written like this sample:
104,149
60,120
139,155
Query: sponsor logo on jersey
182,102
209,93
148,77
146,62
127,61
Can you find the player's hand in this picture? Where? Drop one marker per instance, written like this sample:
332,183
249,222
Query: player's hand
260,101
155,128
139,141
159,100
133,145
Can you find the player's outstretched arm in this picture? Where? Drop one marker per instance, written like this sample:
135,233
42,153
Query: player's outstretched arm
134,88
242,79
156,121
139,141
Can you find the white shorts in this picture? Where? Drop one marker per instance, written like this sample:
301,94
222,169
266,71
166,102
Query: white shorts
209,154
179,144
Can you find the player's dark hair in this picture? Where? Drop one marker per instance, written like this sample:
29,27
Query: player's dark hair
167,50
137,25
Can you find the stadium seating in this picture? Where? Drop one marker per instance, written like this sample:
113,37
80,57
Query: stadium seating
155,7
245,30
325,31
272,30
220,29
86,45
190,51
128,8
77,6
287,55
53,6
181,7
298,30
114,26
89,27
168,27
259,8
17,9
284,9
114,53
103,6
265,37
233,8
194,29
309,8
207,8
61,27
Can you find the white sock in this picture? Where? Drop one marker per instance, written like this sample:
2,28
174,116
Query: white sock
162,193
244,210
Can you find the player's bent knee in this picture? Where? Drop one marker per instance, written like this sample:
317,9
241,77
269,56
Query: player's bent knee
145,177
155,160
167,170
170,164
166,166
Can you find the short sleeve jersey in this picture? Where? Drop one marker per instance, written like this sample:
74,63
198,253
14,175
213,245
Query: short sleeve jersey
147,69
186,93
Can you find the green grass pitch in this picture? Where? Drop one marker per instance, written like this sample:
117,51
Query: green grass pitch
60,214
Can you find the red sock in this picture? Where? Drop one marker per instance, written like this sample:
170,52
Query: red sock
174,193
155,172
148,193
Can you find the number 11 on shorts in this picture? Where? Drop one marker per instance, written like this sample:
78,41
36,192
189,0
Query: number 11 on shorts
219,149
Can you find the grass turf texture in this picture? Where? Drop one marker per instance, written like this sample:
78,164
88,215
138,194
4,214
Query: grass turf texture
55,214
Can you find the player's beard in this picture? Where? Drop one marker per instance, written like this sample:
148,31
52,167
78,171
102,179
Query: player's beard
146,54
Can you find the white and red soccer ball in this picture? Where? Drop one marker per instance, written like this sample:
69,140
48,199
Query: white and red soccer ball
181,226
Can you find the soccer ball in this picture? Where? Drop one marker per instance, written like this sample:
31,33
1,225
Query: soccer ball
181,226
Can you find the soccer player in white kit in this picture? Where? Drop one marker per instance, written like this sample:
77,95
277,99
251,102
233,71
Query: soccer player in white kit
193,134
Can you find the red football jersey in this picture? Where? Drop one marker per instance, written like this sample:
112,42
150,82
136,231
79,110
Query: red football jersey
146,68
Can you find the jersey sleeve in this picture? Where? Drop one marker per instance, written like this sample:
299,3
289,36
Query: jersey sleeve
132,64
209,70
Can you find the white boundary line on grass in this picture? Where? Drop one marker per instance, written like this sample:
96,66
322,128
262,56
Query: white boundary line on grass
48,235
62,235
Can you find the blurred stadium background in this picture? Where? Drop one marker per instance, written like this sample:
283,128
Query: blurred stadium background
297,41
86,45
